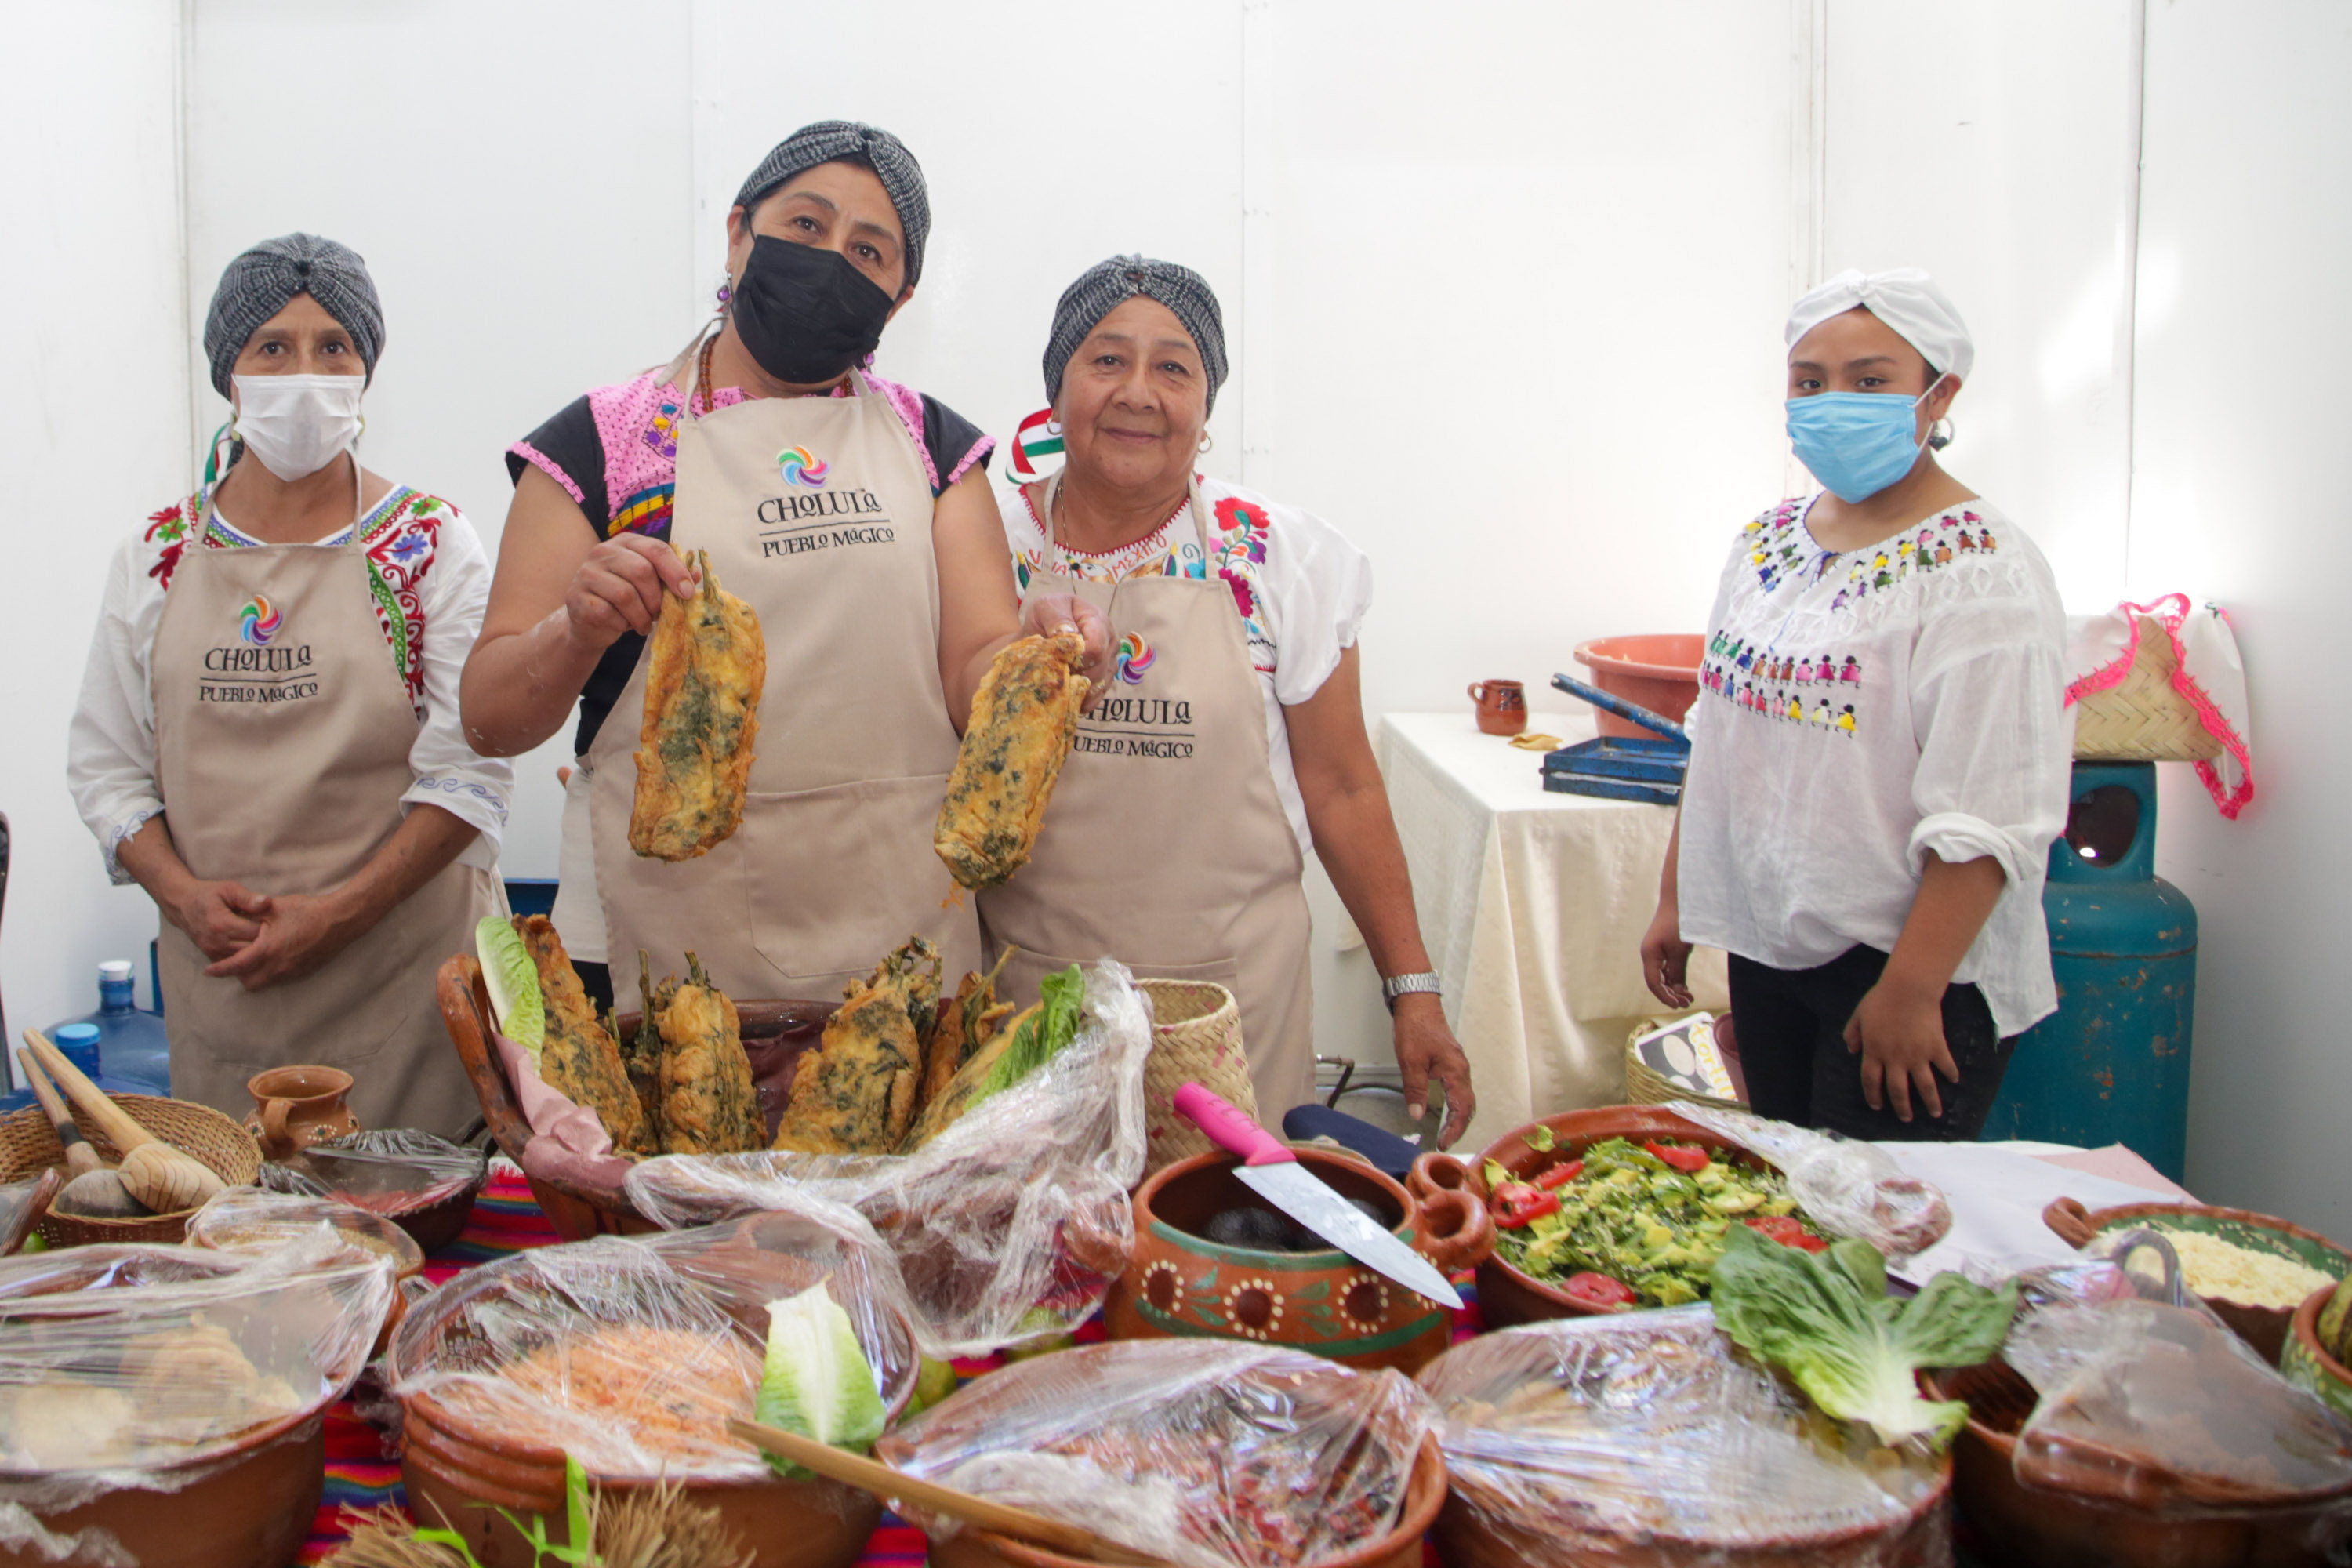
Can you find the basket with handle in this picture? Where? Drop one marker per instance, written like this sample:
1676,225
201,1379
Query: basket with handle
1196,1037
28,1145
2141,718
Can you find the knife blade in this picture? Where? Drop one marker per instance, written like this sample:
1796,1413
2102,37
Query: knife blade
1274,1173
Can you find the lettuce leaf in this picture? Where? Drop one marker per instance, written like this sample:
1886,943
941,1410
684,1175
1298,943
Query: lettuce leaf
1828,1320
1062,1000
817,1381
512,981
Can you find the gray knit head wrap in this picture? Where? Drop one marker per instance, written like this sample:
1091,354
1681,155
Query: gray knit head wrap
834,141
257,285
1104,286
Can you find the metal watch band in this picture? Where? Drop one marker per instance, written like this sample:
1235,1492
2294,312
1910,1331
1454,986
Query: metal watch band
1397,986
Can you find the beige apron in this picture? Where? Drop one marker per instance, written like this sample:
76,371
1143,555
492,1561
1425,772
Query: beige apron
281,756
833,866
1166,846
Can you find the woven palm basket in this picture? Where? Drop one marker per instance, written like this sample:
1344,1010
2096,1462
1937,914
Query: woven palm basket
1196,1037
28,1145
2141,719
1645,1085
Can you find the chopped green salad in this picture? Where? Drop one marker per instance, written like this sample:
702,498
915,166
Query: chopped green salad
1636,1224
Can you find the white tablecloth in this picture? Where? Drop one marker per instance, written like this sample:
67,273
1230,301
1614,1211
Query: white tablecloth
1533,905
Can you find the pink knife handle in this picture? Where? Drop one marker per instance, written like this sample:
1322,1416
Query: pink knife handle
1229,1129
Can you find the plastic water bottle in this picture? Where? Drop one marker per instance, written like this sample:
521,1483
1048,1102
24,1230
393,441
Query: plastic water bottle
83,1045
131,1043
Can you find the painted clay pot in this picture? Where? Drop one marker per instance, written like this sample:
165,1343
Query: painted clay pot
1179,1282
295,1107
2306,1362
1505,1295
1400,1548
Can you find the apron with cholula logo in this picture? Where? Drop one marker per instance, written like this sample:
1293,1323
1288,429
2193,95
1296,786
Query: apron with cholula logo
1165,844
817,512
282,734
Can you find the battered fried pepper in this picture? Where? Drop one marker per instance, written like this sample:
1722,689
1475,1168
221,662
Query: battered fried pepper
641,1052
579,1059
854,1093
966,1024
707,664
1024,720
707,1104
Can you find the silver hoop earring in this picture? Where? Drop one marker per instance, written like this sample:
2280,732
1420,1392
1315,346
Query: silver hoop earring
1207,440
1940,434
1053,427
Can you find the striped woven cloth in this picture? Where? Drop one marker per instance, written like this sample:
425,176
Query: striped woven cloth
361,1475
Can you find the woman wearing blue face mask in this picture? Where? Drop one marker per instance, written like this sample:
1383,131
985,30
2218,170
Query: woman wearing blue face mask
1881,752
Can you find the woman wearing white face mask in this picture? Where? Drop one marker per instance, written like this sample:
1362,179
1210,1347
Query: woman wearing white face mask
1880,754
267,739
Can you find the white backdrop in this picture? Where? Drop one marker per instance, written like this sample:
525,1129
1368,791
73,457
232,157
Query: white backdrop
1505,288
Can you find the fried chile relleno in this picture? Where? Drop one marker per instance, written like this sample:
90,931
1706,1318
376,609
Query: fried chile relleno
578,1057
706,668
707,1104
1024,719
967,1022
855,1094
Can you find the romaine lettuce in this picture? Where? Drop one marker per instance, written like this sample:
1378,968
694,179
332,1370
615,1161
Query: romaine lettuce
512,981
817,1381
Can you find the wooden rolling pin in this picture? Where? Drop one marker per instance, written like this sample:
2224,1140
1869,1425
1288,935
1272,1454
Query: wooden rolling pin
872,1475
80,1158
167,1180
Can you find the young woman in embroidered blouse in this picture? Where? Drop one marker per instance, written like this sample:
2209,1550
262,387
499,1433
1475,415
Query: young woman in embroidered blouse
853,515
1880,753
269,740
1232,739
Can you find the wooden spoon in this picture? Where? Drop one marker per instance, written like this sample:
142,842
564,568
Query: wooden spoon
167,1180
80,1158
872,1475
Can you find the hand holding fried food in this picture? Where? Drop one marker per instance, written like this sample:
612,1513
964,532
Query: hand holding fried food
854,1093
706,665
1024,719
707,1103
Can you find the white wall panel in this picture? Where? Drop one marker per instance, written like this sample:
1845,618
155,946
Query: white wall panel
2244,327
93,436
1994,144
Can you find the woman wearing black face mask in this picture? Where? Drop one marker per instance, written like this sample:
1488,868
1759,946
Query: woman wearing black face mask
854,517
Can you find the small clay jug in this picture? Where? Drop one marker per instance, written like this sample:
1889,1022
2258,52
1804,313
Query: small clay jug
1502,706
295,1107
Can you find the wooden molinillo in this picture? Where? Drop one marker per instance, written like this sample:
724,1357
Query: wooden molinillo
165,1179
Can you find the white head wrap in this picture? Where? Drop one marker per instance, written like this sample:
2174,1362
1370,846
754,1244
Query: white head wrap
1906,299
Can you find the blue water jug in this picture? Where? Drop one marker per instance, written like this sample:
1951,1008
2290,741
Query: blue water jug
131,1042
81,1044
2111,1066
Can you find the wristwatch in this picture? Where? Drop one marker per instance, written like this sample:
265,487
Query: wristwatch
1397,986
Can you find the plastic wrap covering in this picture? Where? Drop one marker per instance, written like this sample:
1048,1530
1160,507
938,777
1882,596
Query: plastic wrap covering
1647,1438
249,1220
629,1353
127,1359
391,1171
1010,1224
2147,1400
1204,1453
1845,1186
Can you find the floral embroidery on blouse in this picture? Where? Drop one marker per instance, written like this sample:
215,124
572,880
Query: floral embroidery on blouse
171,527
1237,553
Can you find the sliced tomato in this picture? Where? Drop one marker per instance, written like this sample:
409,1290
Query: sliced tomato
1788,1230
1516,1202
1560,1175
1600,1292
1681,1156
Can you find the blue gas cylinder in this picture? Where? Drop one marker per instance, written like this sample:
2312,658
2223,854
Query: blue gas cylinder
137,1051
2111,1066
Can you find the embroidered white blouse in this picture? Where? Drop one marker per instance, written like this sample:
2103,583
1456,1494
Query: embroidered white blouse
425,558
1300,588
1856,711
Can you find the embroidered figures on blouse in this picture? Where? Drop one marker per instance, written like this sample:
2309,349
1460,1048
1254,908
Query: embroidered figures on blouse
1814,690
1928,549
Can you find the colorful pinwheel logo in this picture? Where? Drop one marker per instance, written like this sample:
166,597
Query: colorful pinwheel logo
257,622
1135,657
799,465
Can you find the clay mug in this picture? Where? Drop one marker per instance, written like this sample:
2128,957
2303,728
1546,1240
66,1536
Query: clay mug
1502,706
295,1107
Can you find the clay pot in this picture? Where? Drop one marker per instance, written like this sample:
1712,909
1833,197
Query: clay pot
1500,706
1400,1548
253,1511
2307,1365
1505,1295
1659,672
295,1107
1179,1282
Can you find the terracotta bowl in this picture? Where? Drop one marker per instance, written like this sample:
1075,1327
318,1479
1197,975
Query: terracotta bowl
1659,672
1179,1283
1506,1295
2264,1328
2308,1366
2037,1528
462,1470
1400,1548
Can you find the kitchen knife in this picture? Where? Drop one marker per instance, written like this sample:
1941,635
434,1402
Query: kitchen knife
1274,1173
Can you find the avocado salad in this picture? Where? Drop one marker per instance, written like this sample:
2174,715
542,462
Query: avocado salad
1631,1225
